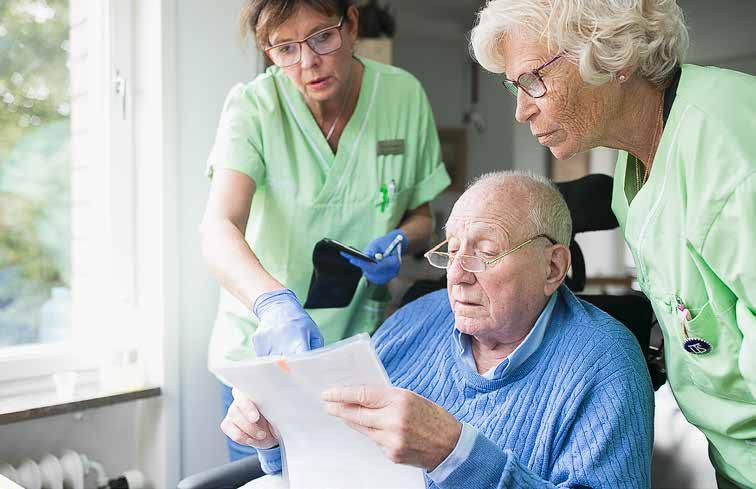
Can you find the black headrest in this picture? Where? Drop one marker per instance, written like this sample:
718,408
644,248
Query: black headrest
590,202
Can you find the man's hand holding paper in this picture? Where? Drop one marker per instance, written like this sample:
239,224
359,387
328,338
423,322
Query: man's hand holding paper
279,399
410,429
245,425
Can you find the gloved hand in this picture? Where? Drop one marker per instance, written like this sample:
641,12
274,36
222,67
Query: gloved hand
284,327
388,266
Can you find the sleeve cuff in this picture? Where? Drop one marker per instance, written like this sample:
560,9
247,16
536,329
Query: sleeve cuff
270,460
254,170
429,188
457,457
484,466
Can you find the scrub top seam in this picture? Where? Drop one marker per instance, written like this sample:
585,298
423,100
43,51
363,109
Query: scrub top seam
655,207
737,187
359,135
322,161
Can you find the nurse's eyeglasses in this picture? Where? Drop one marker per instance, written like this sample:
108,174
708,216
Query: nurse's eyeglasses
289,53
531,82
472,263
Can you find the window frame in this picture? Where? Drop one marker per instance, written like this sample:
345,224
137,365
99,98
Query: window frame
110,138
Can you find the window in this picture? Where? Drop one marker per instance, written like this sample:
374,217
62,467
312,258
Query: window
67,228
35,173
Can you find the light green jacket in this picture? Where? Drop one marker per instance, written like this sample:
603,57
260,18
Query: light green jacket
692,232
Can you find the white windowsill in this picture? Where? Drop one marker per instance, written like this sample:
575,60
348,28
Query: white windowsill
30,361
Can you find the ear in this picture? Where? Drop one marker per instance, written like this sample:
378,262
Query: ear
559,260
352,21
624,74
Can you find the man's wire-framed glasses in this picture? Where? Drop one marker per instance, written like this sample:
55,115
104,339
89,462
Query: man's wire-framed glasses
324,41
472,263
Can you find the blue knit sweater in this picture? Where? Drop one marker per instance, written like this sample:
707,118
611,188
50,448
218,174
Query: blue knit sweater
577,413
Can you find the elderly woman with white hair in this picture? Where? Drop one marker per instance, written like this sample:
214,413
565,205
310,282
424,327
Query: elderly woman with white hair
609,73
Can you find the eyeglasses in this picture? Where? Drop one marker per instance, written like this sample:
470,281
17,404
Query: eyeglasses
531,82
472,263
289,53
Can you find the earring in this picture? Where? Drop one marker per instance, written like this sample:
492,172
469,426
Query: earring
622,78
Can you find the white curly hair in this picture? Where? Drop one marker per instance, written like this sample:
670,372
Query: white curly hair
601,37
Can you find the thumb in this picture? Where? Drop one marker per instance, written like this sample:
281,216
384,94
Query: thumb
364,395
316,341
361,264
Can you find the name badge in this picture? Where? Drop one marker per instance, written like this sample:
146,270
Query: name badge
390,147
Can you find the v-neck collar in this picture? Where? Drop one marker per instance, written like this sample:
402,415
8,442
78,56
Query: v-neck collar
631,162
295,101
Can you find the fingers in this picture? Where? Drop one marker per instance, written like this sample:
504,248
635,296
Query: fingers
244,423
316,342
234,432
356,414
365,395
251,429
245,405
361,264
240,429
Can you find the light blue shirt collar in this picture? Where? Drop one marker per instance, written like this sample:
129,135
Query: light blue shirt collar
520,354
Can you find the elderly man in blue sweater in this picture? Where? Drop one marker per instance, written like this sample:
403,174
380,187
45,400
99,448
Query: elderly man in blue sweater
505,379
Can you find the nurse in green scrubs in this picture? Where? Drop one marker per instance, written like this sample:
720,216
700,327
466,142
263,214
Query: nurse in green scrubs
323,144
594,73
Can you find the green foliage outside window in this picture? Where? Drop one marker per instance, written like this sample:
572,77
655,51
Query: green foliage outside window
35,166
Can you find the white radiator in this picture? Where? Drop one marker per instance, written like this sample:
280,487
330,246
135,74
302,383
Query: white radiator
65,472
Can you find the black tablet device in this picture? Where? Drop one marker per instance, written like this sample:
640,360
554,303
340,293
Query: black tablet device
334,280
349,250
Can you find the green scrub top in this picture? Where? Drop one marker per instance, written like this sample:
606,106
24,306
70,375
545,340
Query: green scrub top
692,232
306,193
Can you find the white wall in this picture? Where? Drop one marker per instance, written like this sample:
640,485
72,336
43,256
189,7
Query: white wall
210,60
435,51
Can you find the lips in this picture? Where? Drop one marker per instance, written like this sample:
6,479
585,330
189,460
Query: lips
318,82
544,134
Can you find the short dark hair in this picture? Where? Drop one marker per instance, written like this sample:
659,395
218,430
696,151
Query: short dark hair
260,17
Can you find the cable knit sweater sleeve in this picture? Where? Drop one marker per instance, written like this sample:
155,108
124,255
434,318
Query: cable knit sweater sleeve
608,444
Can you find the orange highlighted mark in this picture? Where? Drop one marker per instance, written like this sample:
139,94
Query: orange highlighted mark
284,365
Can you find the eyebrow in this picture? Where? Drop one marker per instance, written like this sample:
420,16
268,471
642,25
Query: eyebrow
537,62
315,29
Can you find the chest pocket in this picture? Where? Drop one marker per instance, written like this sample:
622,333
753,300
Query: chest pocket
717,372
395,208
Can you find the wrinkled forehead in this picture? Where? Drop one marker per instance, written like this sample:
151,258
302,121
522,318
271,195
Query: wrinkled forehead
487,214
521,53
477,229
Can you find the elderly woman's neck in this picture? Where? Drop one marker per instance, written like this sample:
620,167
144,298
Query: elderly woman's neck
637,128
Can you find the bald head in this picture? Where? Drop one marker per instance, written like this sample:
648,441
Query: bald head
525,205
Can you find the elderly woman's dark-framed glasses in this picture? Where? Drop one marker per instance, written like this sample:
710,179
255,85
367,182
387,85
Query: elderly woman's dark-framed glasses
472,263
289,53
530,82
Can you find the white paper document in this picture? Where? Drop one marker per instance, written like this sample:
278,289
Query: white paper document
320,451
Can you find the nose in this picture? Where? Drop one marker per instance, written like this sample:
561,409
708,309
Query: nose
526,107
310,59
455,274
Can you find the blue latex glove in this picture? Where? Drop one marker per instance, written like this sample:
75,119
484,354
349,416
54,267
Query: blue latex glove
388,266
284,327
